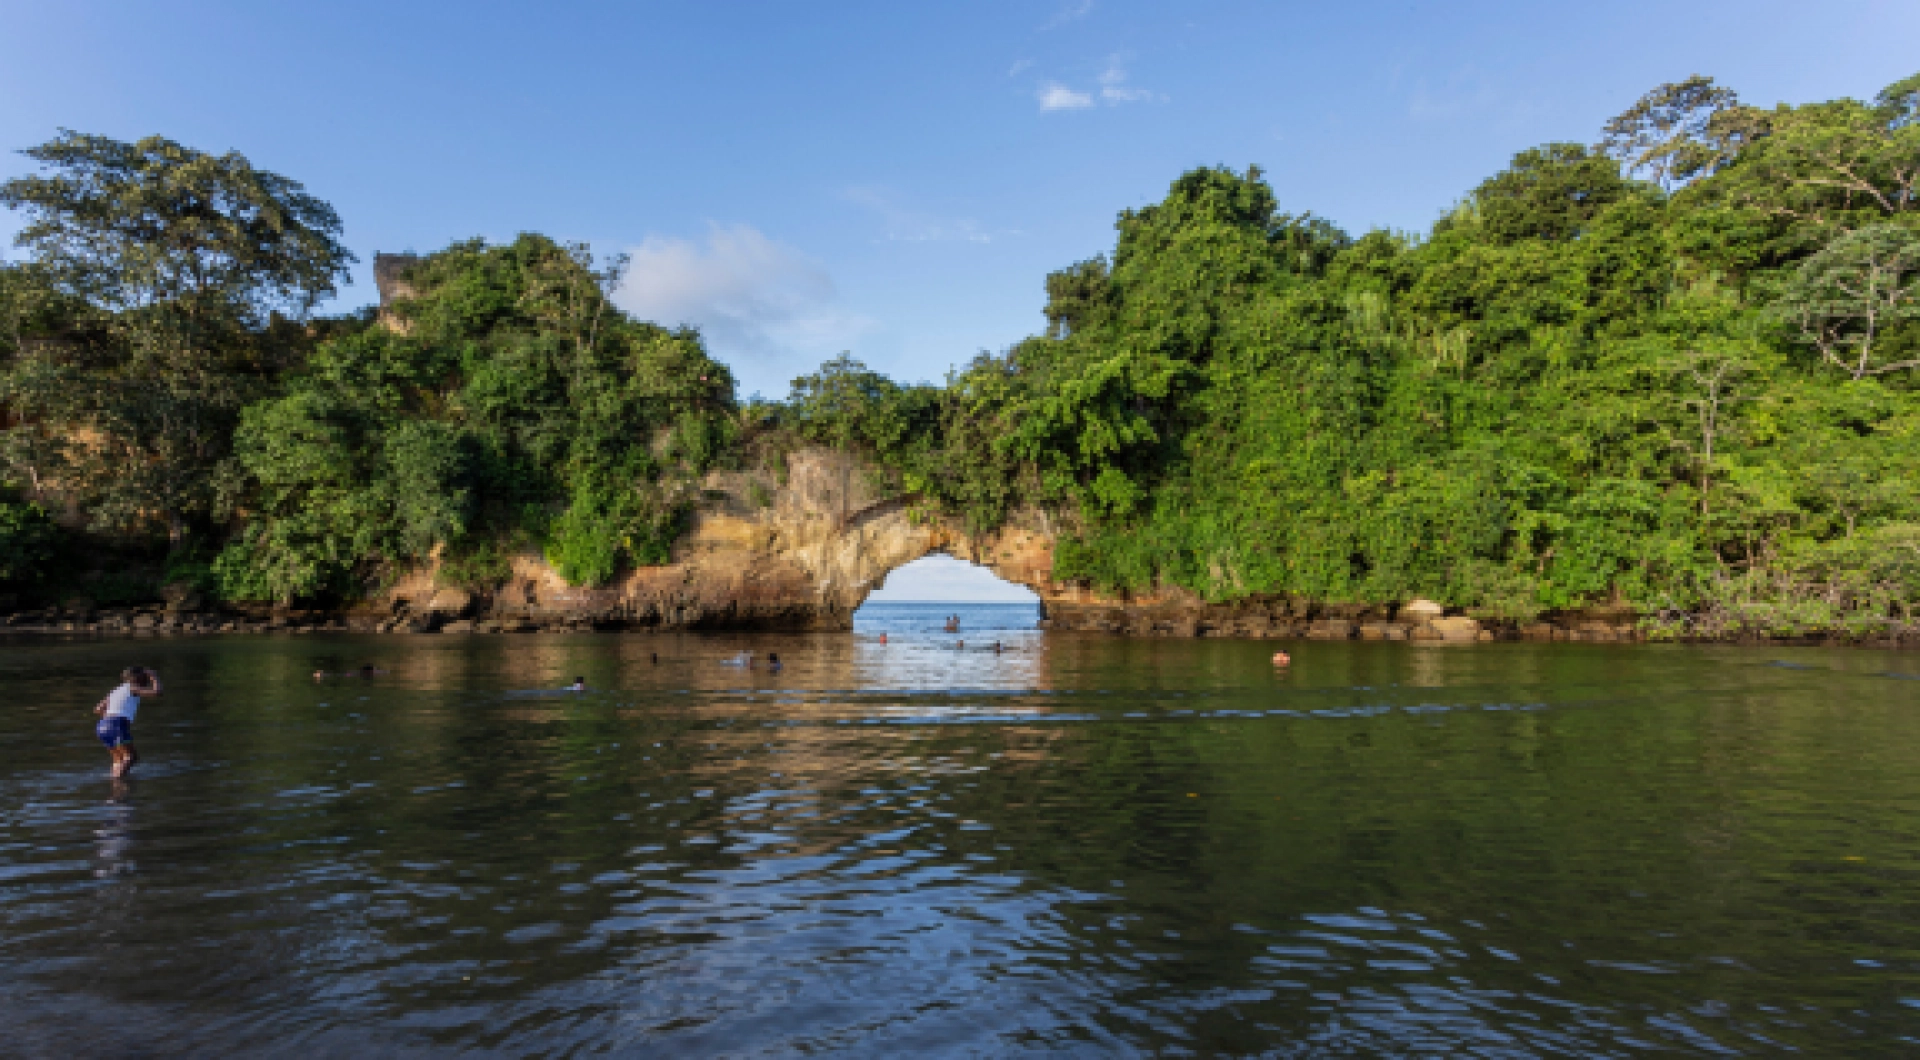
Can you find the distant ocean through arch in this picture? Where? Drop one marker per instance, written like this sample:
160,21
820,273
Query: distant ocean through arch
926,619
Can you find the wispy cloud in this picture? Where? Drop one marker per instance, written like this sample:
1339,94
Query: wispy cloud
907,224
1111,89
1071,11
1056,96
1019,67
754,299
1113,84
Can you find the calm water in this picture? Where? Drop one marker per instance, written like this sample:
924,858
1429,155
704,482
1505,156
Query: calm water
1080,844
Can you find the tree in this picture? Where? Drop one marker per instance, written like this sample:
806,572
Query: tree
1669,133
846,405
131,226
1849,295
28,541
1076,296
1548,192
1898,104
1716,376
186,264
515,409
1832,165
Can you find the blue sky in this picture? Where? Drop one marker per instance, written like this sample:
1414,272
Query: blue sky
890,179
941,577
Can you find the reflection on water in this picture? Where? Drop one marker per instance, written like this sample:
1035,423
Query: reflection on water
114,834
1077,843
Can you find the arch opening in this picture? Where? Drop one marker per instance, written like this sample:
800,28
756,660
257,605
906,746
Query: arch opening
929,589
937,578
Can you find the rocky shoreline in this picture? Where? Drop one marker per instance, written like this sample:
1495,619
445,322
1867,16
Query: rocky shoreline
803,551
1416,620
453,612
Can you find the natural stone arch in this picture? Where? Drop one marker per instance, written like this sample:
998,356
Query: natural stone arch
803,551
791,553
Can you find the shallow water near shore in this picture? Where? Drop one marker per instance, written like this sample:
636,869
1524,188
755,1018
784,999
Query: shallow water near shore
1078,843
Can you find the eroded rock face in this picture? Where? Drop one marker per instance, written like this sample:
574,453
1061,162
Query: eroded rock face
798,554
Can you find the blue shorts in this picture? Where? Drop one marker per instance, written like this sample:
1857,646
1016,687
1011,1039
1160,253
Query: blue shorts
114,731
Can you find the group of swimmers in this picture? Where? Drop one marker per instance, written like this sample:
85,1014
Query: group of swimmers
745,661
953,625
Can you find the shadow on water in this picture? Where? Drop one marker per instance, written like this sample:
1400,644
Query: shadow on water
1085,843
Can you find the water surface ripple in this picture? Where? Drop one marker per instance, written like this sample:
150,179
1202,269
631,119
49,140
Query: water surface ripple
1074,844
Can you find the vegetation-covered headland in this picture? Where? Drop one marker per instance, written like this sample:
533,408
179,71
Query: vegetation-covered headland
1671,376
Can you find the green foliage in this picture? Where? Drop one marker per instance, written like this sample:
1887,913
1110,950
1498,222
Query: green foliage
28,542
1675,132
1858,292
161,277
514,405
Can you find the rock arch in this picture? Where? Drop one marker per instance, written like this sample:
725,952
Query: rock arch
799,552
803,551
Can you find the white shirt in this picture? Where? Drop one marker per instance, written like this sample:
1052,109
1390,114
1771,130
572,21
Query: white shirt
123,703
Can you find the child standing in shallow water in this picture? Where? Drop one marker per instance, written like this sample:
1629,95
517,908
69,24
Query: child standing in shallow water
117,712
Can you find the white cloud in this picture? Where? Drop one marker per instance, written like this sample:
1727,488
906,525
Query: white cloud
1113,90
754,300
1020,66
1071,11
1056,96
905,224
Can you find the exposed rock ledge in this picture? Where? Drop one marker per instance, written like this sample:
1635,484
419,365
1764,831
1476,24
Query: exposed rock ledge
802,554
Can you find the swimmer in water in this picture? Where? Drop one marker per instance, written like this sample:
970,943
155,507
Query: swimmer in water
656,658
579,685
883,638
116,714
996,647
368,670
773,661
1281,658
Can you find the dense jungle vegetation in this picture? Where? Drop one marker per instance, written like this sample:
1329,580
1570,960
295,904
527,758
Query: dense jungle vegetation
1674,370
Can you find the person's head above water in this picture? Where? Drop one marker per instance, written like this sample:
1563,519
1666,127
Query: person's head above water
1281,658
133,675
